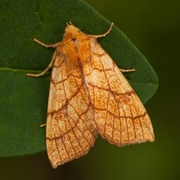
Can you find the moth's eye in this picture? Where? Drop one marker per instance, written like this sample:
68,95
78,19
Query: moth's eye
73,39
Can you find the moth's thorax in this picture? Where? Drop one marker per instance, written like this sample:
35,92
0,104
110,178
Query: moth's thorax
76,46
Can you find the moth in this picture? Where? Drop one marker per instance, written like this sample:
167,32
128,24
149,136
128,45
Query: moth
89,96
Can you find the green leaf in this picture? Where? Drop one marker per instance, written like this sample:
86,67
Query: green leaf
24,99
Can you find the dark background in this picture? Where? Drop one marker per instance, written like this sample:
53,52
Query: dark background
154,28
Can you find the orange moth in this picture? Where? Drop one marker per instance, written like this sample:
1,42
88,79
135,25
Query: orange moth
89,96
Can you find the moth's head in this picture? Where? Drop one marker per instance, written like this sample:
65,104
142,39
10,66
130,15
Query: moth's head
71,28
72,32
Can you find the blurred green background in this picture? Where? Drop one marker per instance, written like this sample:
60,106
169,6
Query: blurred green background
154,28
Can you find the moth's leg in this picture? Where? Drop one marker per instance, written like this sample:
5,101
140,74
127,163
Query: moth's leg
127,70
105,34
43,72
42,125
47,45
52,61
